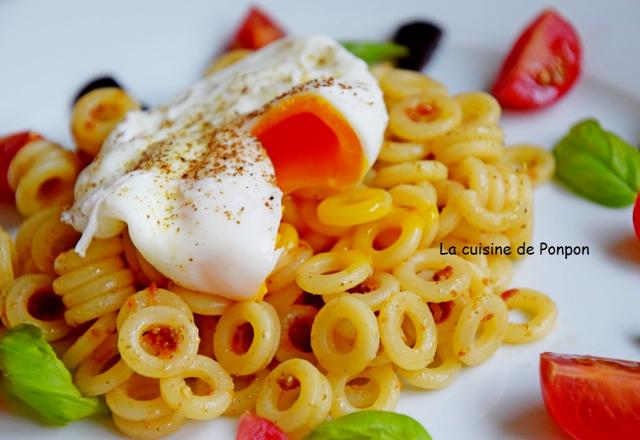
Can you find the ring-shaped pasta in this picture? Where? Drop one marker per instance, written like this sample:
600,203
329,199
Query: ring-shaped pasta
96,114
398,152
50,239
478,108
373,291
286,275
90,340
152,407
380,393
90,378
312,403
175,349
407,355
537,162
152,296
410,172
309,212
411,228
488,311
181,398
360,351
149,429
417,198
399,84
451,275
245,392
440,373
345,270
199,302
24,291
42,174
8,259
542,309
424,117
355,207
265,328
295,334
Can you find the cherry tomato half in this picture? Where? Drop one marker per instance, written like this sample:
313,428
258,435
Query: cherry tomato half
636,217
542,66
9,147
256,31
592,398
252,427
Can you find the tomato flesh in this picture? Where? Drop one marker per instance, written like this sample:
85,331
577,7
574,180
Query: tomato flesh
252,427
636,217
542,66
256,31
592,398
9,147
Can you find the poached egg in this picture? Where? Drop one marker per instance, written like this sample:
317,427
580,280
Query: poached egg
198,182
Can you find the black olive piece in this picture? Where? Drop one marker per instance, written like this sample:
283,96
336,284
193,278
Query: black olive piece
421,38
97,83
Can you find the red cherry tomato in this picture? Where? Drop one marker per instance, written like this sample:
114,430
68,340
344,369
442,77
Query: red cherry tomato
592,398
252,427
636,217
542,66
9,147
256,31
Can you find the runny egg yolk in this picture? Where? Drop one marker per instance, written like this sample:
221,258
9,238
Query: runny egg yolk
310,144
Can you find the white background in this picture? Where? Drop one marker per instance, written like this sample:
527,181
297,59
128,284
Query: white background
49,49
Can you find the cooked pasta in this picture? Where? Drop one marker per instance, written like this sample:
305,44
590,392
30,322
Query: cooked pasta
95,284
360,300
42,174
96,114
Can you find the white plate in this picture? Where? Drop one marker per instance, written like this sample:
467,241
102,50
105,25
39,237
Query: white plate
48,49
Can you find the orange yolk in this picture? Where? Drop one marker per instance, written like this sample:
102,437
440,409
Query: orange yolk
310,144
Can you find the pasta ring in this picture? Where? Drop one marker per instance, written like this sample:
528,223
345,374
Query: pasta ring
347,269
183,334
424,117
410,172
471,348
382,397
411,229
373,291
179,396
360,351
122,404
309,407
354,207
89,378
452,276
265,327
539,305
410,356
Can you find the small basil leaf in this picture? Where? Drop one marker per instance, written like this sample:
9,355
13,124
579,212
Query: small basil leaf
598,165
375,52
370,425
34,375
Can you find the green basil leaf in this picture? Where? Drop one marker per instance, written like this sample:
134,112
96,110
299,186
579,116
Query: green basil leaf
598,165
374,52
370,425
34,375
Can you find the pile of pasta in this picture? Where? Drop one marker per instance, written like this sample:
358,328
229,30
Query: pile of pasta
360,303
